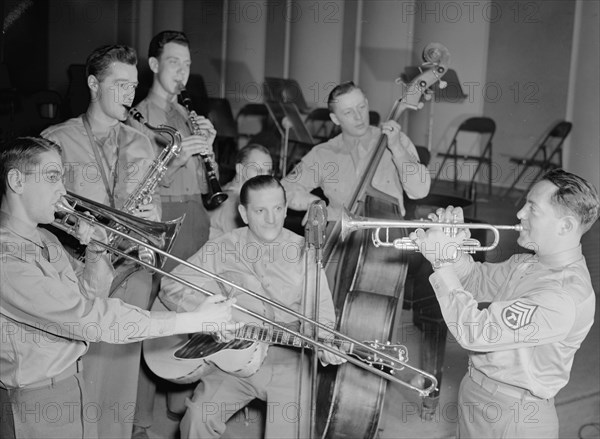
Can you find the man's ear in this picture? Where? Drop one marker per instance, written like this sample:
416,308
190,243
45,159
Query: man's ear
93,83
567,225
334,118
16,181
153,64
243,213
239,172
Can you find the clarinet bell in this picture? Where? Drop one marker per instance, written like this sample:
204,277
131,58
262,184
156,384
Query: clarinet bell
213,200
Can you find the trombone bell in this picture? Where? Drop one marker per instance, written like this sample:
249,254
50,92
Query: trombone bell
157,234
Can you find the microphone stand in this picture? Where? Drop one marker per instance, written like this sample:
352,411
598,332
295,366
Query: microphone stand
287,124
314,233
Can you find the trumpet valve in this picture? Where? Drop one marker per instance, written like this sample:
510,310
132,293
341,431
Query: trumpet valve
404,244
470,245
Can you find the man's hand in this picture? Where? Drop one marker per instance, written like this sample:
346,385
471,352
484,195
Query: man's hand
191,146
441,244
327,357
87,231
213,314
398,143
205,129
147,211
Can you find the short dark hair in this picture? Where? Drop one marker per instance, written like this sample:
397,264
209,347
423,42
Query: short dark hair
339,90
575,195
22,153
99,61
167,36
257,183
243,154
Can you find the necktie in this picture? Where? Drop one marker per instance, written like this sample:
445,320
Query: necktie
45,252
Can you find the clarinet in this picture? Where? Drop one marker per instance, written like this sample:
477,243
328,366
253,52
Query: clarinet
215,195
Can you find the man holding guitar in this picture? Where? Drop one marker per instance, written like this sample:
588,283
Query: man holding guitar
269,260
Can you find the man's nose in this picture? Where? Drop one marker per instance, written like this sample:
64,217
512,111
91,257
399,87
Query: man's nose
61,189
269,217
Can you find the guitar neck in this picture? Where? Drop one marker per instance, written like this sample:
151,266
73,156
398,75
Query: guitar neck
284,338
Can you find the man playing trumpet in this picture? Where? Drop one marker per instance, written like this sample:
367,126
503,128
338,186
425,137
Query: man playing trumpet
522,320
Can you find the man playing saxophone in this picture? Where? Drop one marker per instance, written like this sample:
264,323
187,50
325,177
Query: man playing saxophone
106,161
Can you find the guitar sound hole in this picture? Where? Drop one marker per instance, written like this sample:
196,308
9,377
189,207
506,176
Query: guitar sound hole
203,345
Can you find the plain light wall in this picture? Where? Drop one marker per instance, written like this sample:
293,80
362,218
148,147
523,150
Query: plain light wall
246,50
582,151
528,71
385,49
316,31
463,28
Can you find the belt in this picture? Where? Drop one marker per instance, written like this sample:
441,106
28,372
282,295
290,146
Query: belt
494,386
47,382
180,198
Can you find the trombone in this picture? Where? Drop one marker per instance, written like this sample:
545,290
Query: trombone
351,222
73,216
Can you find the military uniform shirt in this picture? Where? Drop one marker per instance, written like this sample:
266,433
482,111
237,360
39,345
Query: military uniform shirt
540,312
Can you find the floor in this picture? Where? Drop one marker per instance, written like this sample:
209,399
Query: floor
578,404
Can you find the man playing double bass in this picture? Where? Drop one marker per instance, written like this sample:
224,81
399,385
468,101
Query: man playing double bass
337,164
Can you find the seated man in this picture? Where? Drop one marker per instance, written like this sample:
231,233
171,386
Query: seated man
522,320
52,307
252,160
269,260
336,165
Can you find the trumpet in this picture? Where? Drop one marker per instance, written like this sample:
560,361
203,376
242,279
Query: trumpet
386,363
351,222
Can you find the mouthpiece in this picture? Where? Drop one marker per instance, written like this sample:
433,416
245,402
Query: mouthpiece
63,206
133,112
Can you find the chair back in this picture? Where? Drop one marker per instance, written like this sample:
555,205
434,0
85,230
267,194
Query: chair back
77,97
481,125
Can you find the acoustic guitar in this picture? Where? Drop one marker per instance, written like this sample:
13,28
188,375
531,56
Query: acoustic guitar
185,359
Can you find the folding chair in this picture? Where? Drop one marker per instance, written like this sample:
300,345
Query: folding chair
547,156
484,126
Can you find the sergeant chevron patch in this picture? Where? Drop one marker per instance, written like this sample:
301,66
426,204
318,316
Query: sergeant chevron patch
518,314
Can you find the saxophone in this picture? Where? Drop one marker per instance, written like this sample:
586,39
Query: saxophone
215,195
143,191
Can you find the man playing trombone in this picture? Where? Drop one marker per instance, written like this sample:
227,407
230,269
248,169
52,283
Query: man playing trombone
522,320
52,306
269,260
106,162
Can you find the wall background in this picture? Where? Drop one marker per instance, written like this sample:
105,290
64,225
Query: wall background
524,63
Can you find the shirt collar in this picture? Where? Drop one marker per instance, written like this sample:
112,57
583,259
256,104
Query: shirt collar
20,228
358,146
159,102
562,258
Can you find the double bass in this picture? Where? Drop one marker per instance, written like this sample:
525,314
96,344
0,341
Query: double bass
368,283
